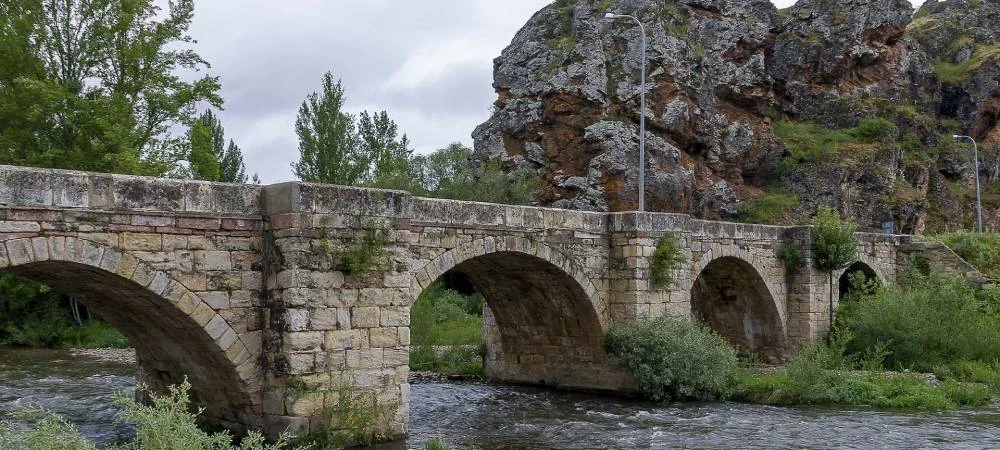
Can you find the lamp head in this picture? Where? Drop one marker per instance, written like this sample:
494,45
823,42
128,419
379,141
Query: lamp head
611,16
956,136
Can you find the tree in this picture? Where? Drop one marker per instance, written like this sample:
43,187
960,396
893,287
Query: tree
204,162
835,244
328,151
101,83
389,154
229,159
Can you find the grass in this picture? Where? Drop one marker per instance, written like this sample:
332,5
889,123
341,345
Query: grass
447,332
811,142
957,73
94,334
767,209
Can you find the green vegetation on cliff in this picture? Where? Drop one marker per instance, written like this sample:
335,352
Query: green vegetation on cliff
982,251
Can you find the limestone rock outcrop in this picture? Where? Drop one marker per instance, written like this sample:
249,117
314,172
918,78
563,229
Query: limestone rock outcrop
732,86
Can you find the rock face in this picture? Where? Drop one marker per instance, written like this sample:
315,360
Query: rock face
731,85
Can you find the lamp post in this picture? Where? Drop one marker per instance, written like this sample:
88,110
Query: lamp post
642,111
979,204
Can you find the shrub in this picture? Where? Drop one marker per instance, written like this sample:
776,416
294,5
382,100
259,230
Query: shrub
444,317
982,251
674,358
665,259
94,334
791,256
929,322
835,244
370,253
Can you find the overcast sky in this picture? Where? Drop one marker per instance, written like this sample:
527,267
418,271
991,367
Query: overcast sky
428,63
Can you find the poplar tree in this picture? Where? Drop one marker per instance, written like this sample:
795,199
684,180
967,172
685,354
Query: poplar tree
328,150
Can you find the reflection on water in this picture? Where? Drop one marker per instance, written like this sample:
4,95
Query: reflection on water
493,417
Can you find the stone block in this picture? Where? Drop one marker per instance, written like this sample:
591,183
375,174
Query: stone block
384,337
212,260
216,327
303,341
395,316
393,357
365,317
19,251
141,241
296,320
346,339
215,299
324,319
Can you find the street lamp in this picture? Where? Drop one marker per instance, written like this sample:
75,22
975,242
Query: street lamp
979,205
642,111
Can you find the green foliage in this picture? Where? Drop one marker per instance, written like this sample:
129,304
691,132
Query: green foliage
370,253
767,209
466,360
328,150
950,72
204,162
666,258
926,323
674,358
166,424
791,256
31,314
210,158
356,418
447,332
811,142
48,431
388,154
835,242
982,251
450,173
822,374
94,334
102,90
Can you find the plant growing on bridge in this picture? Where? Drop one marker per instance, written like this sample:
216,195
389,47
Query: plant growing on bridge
370,252
665,259
674,358
835,244
791,256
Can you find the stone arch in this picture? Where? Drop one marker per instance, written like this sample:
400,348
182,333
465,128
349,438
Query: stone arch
175,332
732,296
549,315
858,266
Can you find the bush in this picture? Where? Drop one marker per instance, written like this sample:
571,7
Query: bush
665,259
982,251
927,323
673,358
448,360
444,317
94,334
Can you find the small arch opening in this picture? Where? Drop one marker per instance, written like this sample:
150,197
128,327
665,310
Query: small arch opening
858,279
731,297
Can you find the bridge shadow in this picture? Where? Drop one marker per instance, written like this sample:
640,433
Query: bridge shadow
541,326
731,297
171,344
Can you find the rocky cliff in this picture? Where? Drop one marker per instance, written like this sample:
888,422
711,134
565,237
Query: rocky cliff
755,113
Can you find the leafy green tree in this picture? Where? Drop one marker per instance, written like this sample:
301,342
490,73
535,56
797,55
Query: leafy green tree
328,150
204,162
229,159
93,84
835,244
388,153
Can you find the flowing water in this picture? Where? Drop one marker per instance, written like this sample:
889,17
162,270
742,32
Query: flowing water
492,417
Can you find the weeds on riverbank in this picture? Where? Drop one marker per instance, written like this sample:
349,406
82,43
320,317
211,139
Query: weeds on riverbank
165,424
446,329
927,324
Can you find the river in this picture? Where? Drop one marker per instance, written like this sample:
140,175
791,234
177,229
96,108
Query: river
500,417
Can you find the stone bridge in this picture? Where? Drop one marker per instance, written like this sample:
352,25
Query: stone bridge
261,297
